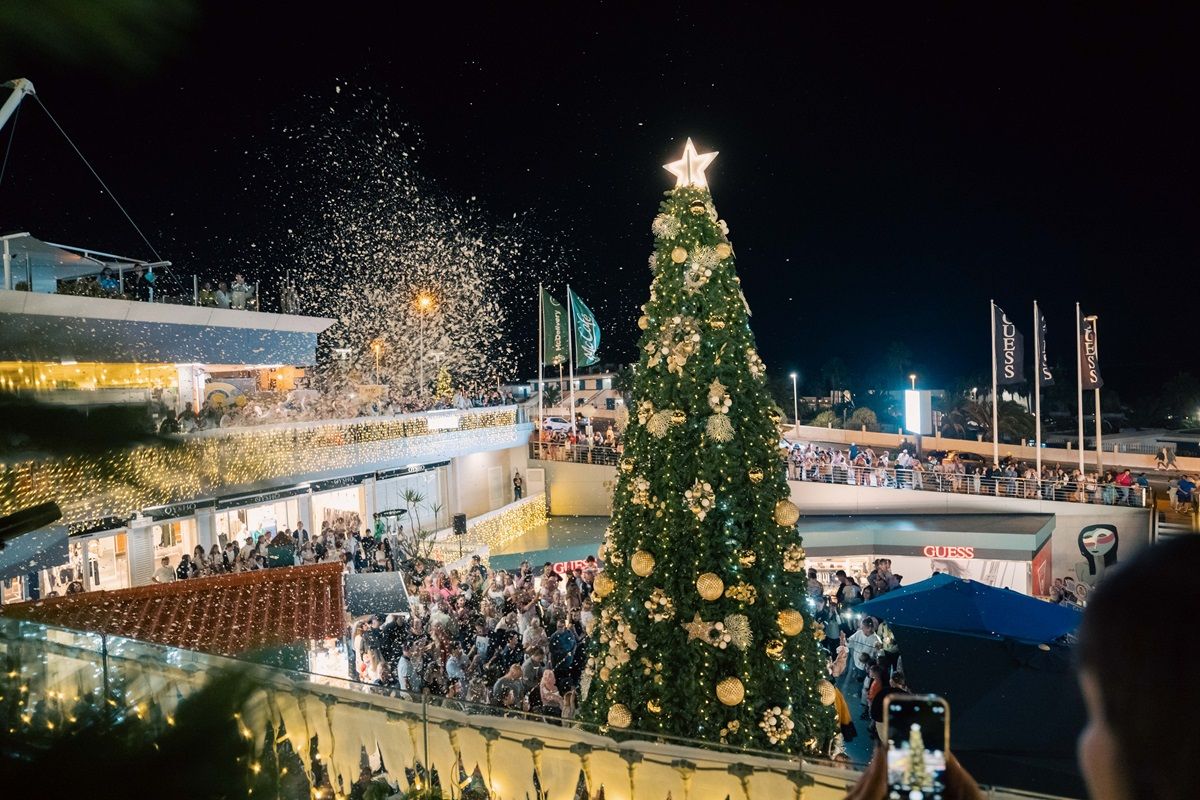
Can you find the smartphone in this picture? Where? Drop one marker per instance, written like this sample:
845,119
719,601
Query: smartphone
916,729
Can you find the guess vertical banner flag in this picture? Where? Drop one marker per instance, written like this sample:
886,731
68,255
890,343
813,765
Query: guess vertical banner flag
1089,354
587,332
1043,361
1010,350
554,331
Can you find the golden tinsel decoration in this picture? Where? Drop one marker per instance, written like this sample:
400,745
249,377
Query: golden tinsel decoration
678,417
775,649
723,250
786,513
793,558
710,586
747,558
642,563
603,585
827,692
719,428
730,691
619,716
716,323
643,322
697,207
659,424
737,626
654,706
756,475
679,255
791,621
626,465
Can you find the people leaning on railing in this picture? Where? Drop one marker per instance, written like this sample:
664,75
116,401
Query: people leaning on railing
951,473
598,448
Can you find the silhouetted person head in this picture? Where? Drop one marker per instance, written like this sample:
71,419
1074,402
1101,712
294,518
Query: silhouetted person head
1135,668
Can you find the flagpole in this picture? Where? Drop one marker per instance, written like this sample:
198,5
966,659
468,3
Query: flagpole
1038,344
995,393
1079,386
541,360
571,353
1099,446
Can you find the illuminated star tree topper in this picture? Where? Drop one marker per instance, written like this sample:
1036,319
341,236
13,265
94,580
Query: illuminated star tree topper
689,170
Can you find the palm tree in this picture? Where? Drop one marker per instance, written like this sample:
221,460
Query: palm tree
963,418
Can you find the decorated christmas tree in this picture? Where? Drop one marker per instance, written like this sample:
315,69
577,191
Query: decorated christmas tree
703,627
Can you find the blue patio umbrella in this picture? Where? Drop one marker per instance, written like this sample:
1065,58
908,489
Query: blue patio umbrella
945,603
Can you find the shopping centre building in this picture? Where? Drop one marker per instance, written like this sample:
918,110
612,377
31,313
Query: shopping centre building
126,509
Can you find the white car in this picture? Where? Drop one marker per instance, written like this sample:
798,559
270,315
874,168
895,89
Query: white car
557,424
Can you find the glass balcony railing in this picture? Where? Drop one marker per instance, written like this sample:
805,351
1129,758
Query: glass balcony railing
341,732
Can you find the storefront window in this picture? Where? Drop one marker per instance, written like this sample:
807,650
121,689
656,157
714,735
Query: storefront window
108,562
340,510
432,511
173,539
254,521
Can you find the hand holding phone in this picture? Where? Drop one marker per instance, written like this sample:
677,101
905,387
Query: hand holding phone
916,733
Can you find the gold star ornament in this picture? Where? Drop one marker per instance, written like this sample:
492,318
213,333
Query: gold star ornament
689,170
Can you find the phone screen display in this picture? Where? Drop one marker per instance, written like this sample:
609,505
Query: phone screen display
916,748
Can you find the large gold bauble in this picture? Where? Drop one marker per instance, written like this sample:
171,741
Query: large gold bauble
626,465
724,250
603,585
827,692
654,706
786,513
775,649
756,475
643,322
642,563
710,586
730,691
697,207
790,621
679,255
619,716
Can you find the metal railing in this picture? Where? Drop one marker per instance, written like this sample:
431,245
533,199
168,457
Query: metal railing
579,453
937,480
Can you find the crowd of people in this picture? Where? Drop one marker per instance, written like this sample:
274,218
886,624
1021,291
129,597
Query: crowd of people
510,643
951,472
589,446
309,405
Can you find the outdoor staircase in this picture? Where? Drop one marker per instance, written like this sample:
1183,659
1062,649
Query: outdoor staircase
1172,523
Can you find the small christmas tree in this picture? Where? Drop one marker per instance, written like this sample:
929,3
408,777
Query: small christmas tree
703,627
918,771
443,390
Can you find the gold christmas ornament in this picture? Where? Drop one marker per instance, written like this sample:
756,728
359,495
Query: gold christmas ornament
626,465
818,633
793,558
710,586
678,417
756,475
679,255
654,706
719,428
723,250
619,716
747,558
605,672
775,649
659,424
742,592
716,323
730,691
827,692
643,322
603,585
697,207
642,563
791,621
786,513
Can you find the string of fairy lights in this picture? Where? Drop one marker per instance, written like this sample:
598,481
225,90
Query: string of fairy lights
120,482
496,530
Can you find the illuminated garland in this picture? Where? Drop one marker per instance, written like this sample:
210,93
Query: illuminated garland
118,483
495,530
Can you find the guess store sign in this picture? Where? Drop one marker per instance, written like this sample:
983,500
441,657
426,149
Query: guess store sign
948,551
561,567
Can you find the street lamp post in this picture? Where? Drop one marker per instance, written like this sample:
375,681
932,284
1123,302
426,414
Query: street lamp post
795,409
425,304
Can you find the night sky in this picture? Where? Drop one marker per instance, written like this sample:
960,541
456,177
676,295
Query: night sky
883,174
